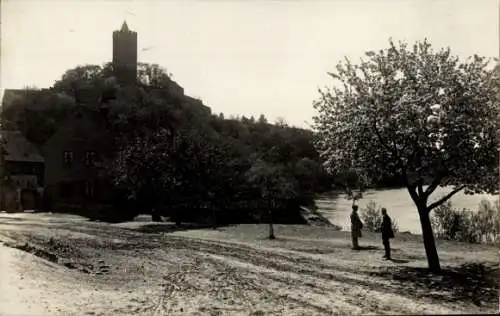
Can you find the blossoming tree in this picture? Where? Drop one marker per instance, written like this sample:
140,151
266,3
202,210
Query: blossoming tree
416,113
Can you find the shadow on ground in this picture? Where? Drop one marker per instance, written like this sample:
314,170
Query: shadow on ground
368,248
172,227
7,219
477,283
315,250
39,252
400,261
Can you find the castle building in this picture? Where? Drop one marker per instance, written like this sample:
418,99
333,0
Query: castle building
77,153
125,55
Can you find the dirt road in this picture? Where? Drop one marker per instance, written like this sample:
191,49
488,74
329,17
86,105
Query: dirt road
89,268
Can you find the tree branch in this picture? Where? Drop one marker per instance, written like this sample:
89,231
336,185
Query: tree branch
433,186
410,187
460,156
445,198
420,185
435,182
389,149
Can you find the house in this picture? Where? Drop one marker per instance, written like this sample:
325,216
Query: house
23,172
74,161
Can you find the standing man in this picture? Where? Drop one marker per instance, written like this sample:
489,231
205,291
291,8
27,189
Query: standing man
387,233
356,226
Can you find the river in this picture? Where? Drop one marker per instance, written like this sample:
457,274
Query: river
398,203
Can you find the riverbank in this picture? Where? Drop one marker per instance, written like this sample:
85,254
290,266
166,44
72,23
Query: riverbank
398,202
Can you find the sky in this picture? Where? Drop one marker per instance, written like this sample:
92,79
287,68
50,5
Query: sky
240,57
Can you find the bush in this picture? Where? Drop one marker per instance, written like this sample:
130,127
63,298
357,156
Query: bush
447,221
488,221
482,226
372,218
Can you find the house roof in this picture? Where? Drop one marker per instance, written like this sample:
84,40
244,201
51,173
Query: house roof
9,96
124,27
18,148
84,123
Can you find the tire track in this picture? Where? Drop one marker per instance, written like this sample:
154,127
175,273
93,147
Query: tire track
306,268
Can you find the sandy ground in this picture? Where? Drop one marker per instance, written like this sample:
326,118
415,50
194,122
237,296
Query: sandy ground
66,265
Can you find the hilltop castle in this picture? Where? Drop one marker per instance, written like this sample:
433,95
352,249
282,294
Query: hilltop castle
125,55
73,159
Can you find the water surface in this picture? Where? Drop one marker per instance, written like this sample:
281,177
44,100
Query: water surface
398,203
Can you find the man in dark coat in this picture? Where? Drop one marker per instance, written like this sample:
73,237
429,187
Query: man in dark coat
356,226
387,233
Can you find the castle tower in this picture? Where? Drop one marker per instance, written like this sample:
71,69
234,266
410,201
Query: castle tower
125,55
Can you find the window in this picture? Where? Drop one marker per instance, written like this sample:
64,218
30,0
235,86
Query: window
68,158
30,184
89,188
66,190
89,158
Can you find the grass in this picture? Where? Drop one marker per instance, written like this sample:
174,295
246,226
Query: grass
145,268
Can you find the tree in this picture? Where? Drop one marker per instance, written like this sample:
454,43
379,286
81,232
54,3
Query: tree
145,170
275,186
262,119
354,183
191,168
208,171
420,114
307,172
155,76
37,113
281,122
99,82
3,171
496,84
79,81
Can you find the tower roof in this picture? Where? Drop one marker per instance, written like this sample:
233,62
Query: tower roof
125,27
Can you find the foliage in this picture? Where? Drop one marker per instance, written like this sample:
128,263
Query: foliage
495,79
414,113
153,75
488,221
168,153
85,78
186,169
273,183
448,222
480,226
371,216
36,113
215,168
353,182
80,79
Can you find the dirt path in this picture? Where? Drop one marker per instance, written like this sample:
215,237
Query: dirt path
15,289
101,269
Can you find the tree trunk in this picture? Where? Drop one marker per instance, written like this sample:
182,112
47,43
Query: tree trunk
177,218
155,216
271,231
214,218
271,225
429,242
